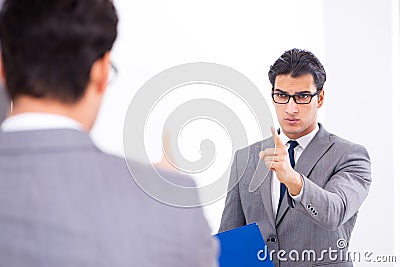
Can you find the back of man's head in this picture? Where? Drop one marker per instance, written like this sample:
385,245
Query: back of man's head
48,47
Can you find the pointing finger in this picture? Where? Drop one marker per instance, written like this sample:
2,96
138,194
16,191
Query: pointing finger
277,140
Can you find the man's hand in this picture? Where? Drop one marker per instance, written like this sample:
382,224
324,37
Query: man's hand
277,159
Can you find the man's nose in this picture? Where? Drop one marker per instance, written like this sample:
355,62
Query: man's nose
291,106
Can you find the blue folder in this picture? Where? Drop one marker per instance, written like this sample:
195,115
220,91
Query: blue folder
243,247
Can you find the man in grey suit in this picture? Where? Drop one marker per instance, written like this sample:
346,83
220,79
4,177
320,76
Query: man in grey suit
313,182
63,202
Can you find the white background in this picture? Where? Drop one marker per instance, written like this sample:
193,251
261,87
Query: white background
357,41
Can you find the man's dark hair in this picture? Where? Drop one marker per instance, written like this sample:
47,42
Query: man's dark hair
298,62
49,47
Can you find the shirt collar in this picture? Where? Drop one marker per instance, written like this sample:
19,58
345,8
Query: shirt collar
38,121
303,141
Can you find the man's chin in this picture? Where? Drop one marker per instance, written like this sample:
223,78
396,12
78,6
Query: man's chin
292,132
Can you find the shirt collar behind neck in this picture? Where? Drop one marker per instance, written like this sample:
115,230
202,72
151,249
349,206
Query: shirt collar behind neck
38,121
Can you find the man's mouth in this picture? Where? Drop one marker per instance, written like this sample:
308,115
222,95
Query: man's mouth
291,120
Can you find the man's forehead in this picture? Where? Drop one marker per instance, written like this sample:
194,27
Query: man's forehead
301,83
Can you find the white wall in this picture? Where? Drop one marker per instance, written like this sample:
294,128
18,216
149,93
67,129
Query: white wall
353,39
156,35
361,102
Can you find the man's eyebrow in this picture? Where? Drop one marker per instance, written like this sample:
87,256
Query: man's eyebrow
280,91
304,92
301,92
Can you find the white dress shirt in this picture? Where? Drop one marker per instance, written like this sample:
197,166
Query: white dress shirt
38,121
275,183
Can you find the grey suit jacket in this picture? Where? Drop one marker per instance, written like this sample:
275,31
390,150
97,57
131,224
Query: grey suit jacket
63,202
336,176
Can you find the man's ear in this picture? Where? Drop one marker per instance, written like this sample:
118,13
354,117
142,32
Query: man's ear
99,73
321,97
272,100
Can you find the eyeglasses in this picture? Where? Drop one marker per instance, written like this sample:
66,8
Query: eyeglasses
303,98
112,73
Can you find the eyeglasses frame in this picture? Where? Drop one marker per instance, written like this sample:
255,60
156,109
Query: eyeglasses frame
293,96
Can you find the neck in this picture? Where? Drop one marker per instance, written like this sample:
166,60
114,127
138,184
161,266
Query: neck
26,104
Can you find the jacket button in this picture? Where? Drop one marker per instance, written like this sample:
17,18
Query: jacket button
271,239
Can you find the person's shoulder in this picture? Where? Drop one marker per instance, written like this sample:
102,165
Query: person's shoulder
345,145
141,172
342,141
163,185
152,170
110,161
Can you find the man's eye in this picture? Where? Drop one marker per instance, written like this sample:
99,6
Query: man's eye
282,95
303,96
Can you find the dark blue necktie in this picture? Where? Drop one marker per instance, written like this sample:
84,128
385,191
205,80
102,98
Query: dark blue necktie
292,145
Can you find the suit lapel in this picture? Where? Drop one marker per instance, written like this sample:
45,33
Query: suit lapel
262,180
313,152
304,165
282,209
265,191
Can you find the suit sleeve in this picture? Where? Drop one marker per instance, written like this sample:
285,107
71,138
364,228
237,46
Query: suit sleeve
233,215
343,194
